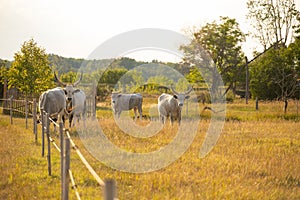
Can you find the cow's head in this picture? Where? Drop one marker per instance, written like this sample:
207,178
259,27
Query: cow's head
181,96
69,88
114,97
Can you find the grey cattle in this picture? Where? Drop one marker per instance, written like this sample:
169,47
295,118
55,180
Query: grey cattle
171,105
53,102
120,102
75,99
77,107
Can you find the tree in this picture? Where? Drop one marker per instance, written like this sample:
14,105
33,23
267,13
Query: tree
222,41
274,76
194,77
272,20
30,72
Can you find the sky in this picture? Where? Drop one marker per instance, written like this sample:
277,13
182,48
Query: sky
72,28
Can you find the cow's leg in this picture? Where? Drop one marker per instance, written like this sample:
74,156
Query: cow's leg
172,119
179,117
135,113
162,119
70,120
140,111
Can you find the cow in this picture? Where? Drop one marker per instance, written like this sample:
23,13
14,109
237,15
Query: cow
77,107
53,102
121,102
75,99
171,105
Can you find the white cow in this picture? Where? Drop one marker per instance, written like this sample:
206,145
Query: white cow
120,102
171,105
77,107
75,99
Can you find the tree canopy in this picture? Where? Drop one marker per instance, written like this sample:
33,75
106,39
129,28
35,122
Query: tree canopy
222,42
30,72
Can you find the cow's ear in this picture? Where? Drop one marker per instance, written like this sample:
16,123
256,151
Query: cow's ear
187,97
65,91
77,90
175,96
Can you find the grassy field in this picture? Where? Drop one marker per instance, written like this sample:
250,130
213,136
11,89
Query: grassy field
257,157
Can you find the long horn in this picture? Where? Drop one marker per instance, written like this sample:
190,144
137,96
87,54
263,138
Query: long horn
173,90
77,82
56,79
189,90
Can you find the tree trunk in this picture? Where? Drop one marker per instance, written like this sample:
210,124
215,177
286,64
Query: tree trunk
285,105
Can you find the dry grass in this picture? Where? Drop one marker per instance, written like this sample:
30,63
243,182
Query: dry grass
256,157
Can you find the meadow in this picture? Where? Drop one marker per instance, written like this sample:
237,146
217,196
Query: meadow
256,157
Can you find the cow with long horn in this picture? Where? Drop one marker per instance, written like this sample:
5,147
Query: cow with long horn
171,105
75,99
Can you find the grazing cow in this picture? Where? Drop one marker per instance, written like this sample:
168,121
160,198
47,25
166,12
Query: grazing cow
171,105
75,99
120,102
77,107
53,102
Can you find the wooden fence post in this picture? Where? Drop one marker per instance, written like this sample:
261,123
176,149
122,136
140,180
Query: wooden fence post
110,189
66,165
247,80
34,118
256,103
43,132
61,139
11,109
49,143
26,112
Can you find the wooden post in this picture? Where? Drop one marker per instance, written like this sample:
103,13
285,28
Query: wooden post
66,166
110,189
247,81
11,109
34,118
256,103
61,138
4,111
49,143
26,112
43,132
94,101
187,108
297,107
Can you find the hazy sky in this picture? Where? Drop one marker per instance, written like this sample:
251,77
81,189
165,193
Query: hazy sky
75,28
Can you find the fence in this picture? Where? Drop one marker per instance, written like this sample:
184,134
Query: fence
29,109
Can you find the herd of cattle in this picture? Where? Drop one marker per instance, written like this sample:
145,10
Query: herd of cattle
69,102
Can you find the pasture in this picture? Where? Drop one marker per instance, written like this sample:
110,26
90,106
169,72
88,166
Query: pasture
256,157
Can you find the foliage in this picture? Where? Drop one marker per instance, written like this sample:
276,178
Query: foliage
194,77
272,20
274,75
4,64
222,41
69,77
30,72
